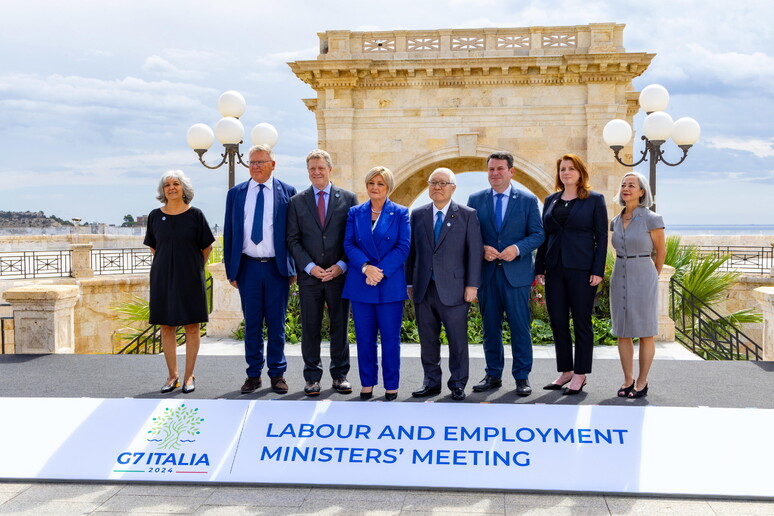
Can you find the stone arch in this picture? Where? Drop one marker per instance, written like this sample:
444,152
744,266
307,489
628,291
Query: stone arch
411,177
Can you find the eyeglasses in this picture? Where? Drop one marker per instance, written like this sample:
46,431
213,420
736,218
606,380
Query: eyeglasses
258,163
442,184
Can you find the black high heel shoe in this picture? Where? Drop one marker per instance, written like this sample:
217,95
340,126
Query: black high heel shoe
390,396
365,396
555,386
169,387
188,389
623,392
639,394
571,392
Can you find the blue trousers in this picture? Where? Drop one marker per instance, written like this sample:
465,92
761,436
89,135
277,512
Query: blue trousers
496,298
264,293
385,318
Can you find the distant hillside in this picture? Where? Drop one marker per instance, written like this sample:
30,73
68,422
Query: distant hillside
30,219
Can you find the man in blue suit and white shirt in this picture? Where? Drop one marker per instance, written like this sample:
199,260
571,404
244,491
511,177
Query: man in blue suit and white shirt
258,264
511,228
444,272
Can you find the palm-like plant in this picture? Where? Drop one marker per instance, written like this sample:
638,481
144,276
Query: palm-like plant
703,285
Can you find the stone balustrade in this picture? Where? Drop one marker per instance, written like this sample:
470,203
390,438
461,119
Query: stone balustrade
666,326
44,320
489,42
765,297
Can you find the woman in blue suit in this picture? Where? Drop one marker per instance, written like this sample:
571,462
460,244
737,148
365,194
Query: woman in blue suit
377,243
571,263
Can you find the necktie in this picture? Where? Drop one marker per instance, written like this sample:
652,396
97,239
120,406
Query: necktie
437,227
321,207
499,211
256,235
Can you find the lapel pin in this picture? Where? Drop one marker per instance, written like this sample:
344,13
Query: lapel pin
337,194
448,224
163,218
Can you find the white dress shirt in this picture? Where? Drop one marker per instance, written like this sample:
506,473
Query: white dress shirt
264,248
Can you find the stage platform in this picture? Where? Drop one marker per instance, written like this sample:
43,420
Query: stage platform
677,379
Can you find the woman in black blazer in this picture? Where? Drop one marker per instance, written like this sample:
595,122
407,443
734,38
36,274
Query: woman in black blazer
571,263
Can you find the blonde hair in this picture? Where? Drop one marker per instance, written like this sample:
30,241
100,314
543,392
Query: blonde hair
386,173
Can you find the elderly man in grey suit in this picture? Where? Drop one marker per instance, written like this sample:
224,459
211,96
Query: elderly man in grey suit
317,218
444,271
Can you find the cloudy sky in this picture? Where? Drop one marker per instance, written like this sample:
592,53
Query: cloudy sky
96,97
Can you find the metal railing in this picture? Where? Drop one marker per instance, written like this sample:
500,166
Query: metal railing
704,331
35,264
121,261
741,258
149,341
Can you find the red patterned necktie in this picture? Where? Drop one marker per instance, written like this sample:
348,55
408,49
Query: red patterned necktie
321,207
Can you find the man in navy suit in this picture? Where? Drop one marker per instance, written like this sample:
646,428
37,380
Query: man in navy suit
258,264
444,273
317,218
510,229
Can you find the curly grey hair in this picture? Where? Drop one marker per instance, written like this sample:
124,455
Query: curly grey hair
188,191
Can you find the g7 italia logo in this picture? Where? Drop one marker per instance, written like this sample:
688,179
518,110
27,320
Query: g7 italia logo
171,430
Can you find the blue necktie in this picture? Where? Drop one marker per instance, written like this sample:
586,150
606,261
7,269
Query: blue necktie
499,212
438,226
256,235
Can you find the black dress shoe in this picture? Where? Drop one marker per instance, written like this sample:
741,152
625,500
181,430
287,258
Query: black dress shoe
523,388
390,396
488,383
250,385
458,394
342,386
169,387
312,389
188,389
365,396
426,391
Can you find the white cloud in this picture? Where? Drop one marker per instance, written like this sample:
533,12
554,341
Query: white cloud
160,66
760,148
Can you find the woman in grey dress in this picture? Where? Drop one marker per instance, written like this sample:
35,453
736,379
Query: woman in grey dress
638,233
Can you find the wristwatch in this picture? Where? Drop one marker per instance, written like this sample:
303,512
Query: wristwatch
364,267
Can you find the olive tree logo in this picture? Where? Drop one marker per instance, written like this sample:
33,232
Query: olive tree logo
173,424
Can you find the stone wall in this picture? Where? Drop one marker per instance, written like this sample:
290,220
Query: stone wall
95,321
10,243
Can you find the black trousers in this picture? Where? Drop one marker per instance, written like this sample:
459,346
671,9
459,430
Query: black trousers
568,291
313,300
430,314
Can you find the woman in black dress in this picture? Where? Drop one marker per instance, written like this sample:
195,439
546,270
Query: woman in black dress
180,241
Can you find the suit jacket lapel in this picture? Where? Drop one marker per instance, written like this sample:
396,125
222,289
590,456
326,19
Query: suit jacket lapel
451,215
334,202
239,205
311,204
490,209
511,206
364,227
385,221
575,207
427,224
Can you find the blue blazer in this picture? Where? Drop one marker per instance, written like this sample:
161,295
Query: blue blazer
521,226
386,247
233,228
581,243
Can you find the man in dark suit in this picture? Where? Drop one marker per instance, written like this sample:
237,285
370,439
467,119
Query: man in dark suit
510,229
317,218
444,273
258,264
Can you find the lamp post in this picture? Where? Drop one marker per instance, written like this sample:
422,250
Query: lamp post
658,127
229,131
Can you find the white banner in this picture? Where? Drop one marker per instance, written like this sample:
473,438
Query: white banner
687,451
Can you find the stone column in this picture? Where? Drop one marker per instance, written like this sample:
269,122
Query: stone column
666,326
226,305
43,318
81,261
765,297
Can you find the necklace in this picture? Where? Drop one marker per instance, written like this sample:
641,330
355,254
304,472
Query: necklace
374,211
